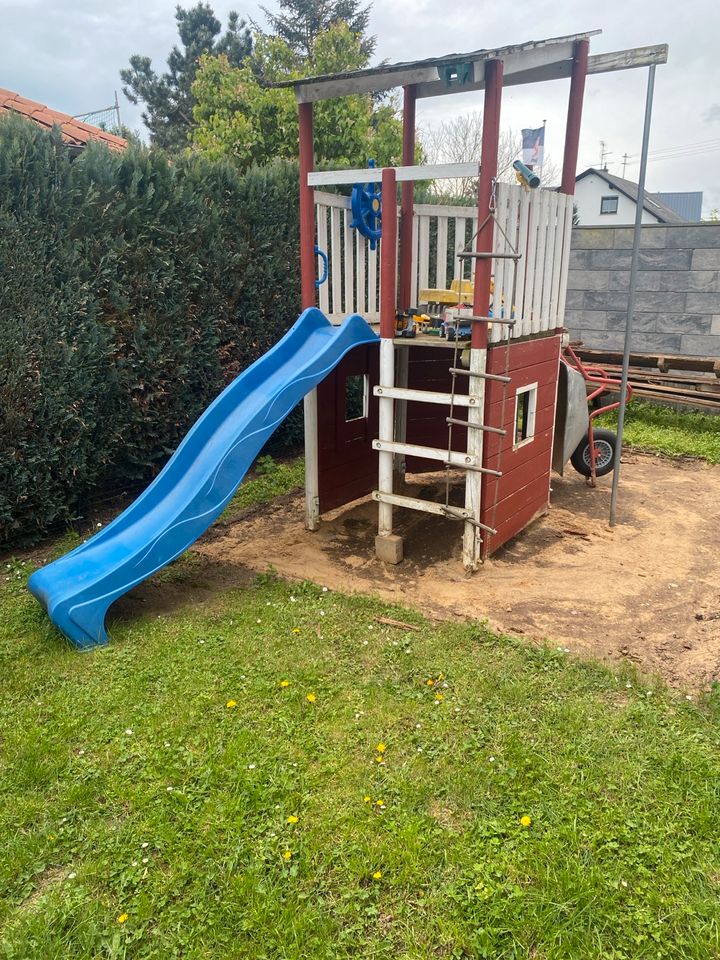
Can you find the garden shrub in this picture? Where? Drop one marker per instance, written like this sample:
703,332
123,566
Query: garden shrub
132,290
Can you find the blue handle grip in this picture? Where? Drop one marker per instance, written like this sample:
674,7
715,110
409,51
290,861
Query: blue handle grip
324,257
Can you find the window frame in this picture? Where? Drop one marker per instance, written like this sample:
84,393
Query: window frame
531,390
609,213
365,401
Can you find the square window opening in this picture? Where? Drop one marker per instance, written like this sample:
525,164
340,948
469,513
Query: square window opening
356,397
608,205
525,407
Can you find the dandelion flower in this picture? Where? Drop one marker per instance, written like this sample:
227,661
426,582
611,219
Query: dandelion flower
231,704
287,855
284,683
367,799
296,629
311,698
122,918
293,819
430,683
526,820
379,803
439,698
377,875
381,748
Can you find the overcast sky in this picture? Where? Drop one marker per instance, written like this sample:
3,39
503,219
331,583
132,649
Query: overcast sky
67,54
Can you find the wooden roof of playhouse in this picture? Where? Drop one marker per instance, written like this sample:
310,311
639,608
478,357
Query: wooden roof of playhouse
530,62
75,133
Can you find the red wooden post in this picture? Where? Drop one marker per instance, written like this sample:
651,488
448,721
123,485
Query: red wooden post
388,255
307,208
574,116
488,172
407,195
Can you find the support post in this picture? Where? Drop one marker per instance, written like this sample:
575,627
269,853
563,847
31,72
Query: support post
307,299
407,198
387,546
637,233
574,117
472,540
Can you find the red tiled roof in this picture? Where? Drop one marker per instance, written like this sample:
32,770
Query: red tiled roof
74,132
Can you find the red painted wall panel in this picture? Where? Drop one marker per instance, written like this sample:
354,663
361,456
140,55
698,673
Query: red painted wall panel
347,463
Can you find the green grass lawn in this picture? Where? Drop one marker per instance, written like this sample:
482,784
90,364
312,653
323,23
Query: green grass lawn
208,786
673,433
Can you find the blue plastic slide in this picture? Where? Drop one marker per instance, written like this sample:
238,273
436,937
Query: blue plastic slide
197,482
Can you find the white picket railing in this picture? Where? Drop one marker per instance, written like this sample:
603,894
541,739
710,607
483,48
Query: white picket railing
537,224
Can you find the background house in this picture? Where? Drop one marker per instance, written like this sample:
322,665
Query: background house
75,133
602,199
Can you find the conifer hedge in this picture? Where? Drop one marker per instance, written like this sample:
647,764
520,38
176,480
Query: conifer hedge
132,290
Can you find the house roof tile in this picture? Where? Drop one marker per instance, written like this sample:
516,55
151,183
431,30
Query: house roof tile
74,132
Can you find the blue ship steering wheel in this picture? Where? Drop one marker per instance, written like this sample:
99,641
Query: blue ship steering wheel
366,205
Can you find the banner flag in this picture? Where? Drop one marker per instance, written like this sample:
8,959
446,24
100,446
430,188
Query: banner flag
533,142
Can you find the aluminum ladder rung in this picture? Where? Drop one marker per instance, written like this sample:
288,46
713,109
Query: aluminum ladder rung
476,426
483,376
429,506
488,255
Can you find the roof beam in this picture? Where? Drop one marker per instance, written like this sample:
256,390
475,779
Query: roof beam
628,59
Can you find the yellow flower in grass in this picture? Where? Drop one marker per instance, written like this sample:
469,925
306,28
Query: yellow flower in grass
287,855
526,820
311,698
379,803
296,629
284,683
439,697
430,683
122,918
379,758
381,748
367,799
377,875
231,704
293,819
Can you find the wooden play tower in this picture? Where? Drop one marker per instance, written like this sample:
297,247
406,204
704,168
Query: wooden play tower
493,415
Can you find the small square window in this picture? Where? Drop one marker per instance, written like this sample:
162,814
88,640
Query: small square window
525,407
356,397
608,204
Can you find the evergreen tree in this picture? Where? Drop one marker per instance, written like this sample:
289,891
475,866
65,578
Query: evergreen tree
169,99
299,23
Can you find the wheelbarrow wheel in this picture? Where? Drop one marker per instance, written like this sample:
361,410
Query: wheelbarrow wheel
605,450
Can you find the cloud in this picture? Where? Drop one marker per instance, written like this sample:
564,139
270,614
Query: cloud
712,114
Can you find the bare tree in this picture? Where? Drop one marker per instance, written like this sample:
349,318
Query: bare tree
460,141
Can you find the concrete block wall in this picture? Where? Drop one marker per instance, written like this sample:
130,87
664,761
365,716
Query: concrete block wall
677,300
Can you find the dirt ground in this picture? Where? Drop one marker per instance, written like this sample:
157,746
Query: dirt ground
647,590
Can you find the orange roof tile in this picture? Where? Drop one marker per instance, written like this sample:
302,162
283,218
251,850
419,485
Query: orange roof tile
74,132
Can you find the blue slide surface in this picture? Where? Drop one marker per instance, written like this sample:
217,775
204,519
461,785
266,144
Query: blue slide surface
197,482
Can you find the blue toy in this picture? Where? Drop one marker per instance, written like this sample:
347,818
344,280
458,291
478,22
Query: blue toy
366,205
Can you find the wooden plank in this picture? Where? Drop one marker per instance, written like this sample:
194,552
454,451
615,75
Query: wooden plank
551,217
373,301
458,246
361,245
322,240
530,264
414,290
541,208
457,458
335,260
423,252
523,216
424,396
441,253
525,353
565,263
429,171
656,360
332,200
348,291
628,59
416,503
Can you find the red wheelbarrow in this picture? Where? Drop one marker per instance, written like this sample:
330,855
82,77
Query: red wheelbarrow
592,451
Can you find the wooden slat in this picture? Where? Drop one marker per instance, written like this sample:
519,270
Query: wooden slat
372,256
349,292
523,214
565,263
336,260
423,252
415,253
457,459
541,219
459,245
424,396
551,221
321,214
361,245
430,171
441,253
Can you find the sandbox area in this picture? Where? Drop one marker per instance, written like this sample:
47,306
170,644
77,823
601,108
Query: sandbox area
647,590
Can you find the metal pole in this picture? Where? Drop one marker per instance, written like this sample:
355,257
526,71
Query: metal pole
631,291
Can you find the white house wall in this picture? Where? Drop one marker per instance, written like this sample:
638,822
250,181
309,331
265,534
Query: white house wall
588,193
